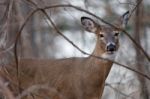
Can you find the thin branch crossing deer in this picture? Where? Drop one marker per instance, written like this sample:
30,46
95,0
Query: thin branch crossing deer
72,78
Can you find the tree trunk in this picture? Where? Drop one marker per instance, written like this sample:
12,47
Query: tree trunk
139,56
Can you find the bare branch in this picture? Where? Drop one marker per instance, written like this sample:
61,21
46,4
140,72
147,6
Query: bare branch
80,9
57,30
140,1
128,3
115,89
127,67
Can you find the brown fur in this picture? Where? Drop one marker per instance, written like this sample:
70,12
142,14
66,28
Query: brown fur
71,78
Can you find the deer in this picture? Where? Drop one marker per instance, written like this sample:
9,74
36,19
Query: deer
69,78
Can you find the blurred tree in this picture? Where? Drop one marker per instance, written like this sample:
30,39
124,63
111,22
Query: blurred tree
139,36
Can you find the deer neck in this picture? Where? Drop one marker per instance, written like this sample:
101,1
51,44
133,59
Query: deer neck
102,65
97,71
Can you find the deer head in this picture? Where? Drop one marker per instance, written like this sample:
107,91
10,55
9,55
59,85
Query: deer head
107,36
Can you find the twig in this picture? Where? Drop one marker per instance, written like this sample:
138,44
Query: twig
140,1
8,49
128,3
115,89
16,41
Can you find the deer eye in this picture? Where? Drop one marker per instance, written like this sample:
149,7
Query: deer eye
116,34
101,35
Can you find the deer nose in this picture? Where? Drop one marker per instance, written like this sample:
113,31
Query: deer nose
111,47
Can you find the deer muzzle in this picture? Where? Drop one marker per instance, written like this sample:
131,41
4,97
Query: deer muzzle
111,48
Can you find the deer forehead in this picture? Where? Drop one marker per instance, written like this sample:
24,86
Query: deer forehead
105,29
108,32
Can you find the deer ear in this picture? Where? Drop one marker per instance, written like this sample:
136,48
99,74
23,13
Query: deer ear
124,19
88,24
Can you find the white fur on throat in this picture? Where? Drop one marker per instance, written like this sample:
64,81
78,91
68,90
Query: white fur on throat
109,56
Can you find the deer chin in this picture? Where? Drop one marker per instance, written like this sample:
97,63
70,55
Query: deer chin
109,55
110,52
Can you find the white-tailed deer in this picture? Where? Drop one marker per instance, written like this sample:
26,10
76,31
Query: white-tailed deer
72,78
